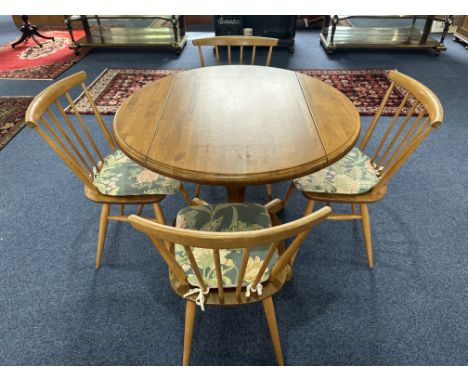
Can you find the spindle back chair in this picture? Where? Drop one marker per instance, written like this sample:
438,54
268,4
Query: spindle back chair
236,41
391,149
424,113
165,238
241,42
81,147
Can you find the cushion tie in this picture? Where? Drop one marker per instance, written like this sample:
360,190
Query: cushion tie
96,169
200,300
250,288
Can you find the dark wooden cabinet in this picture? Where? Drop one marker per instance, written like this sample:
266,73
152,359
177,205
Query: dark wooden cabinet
461,34
228,25
41,20
280,27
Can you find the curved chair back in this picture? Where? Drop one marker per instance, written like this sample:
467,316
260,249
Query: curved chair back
69,137
424,113
216,241
240,41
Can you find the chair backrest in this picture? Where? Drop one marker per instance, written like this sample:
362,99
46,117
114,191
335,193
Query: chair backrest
423,113
69,137
240,41
164,237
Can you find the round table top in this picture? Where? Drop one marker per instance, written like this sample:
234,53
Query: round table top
236,125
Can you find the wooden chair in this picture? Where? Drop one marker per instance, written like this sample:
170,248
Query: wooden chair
192,255
237,41
241,42
391,148
77,145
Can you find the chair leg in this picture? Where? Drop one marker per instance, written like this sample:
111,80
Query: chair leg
158,213
269,191
197,191
190,311
185,194
273,328
289,193
367,234
308,210
309,207
102,232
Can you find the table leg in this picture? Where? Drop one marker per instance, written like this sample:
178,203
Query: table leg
236,194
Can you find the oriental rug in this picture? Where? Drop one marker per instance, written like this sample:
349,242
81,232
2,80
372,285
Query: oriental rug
12,110
29,61
364,87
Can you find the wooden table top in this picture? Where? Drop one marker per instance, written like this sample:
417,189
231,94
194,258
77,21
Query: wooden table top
236,125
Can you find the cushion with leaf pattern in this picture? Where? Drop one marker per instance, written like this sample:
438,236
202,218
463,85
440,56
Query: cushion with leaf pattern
352,174
228,217
121,176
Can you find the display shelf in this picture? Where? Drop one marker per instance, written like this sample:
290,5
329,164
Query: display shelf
334,37
128,31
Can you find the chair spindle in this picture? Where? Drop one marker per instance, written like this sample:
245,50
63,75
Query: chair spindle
240,276
84,127
370,129
397,135
194,265
219,274
390,127
75,133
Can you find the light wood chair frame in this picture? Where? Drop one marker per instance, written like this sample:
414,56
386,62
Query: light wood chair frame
241,42
164,237
236,41
73,142
393,149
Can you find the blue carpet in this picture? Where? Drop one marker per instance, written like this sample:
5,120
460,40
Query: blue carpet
56,309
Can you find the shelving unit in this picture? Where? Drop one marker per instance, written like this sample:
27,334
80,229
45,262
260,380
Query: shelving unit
128,31
334,37
461,34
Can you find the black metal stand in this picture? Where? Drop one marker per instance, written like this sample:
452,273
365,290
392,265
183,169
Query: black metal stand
29,31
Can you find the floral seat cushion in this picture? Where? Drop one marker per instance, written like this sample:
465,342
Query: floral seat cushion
229,217
352,174
121,176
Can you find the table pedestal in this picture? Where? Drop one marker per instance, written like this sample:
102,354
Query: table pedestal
236,194
29,31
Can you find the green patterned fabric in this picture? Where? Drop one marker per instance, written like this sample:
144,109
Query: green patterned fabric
229,217
121,176
353,174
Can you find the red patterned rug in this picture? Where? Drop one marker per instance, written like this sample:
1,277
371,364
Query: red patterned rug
12,110
365,88
28,61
